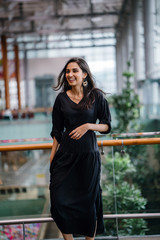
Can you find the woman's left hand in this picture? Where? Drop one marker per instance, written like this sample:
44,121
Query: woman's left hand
78,132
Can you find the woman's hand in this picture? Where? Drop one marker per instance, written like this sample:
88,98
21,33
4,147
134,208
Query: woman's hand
51,157
54,149
78,132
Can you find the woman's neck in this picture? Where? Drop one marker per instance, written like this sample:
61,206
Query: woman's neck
76,91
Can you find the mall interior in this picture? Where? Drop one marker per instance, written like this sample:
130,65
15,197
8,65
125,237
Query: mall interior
120,40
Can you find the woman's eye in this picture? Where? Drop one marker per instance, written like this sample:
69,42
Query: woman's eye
74,71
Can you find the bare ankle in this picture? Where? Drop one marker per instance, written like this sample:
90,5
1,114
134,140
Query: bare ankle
67,236
89,238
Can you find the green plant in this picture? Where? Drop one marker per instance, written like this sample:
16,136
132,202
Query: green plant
145,159
126,105
128,195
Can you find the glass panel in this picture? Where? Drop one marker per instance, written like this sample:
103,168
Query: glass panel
130,184
129,181
24,189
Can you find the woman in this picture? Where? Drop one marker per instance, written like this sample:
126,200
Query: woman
76,204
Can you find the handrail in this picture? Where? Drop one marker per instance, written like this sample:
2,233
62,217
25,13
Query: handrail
117,142
106,216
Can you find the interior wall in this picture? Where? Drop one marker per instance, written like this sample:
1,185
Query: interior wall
38,67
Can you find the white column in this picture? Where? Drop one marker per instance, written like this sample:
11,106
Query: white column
27,96
149,12
129,48
119,64
137,40
124,49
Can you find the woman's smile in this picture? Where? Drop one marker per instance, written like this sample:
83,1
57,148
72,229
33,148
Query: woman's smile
71,79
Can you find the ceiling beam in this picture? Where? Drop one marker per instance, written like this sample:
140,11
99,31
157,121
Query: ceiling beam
82,29
73,47
121,14
60,40
57,16
53,31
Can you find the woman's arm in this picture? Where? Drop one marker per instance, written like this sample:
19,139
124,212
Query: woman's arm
78,132
54,148
98,127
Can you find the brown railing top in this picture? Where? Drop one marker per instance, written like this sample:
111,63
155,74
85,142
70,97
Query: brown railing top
117,142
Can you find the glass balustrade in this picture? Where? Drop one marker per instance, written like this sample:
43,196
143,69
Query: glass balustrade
129,180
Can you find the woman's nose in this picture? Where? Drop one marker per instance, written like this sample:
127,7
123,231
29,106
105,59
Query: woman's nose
70,73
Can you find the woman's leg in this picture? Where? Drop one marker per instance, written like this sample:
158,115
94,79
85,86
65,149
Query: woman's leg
67,236
89,238
92,238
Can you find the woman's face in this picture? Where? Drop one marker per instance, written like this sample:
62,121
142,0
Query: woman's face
74,75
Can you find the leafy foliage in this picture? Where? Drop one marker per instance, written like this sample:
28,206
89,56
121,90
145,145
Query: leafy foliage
128,196
146,162
126,105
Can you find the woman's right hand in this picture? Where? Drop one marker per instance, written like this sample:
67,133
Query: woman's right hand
54,149
51,158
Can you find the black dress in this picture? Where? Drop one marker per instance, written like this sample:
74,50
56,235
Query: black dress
75,191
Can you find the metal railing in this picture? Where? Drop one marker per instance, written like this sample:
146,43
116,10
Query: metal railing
105,216
117,142
49,219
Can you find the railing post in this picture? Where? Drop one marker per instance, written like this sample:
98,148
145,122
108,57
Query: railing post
115,193
23,231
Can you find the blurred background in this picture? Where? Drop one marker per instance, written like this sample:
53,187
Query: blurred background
120,40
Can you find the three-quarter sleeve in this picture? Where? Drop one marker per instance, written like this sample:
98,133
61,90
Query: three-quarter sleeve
103,112
57,121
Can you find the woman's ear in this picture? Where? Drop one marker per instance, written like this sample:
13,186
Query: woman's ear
85,75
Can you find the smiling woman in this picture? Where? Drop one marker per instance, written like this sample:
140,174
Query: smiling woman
75,159
75,75
75,78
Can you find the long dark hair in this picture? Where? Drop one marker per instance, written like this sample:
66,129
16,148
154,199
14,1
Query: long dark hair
88,91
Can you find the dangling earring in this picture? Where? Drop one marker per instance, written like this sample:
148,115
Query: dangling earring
85,83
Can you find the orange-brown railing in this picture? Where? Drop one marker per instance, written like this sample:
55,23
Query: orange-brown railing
117,142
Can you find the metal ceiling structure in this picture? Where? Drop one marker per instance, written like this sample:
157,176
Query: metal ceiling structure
49,24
